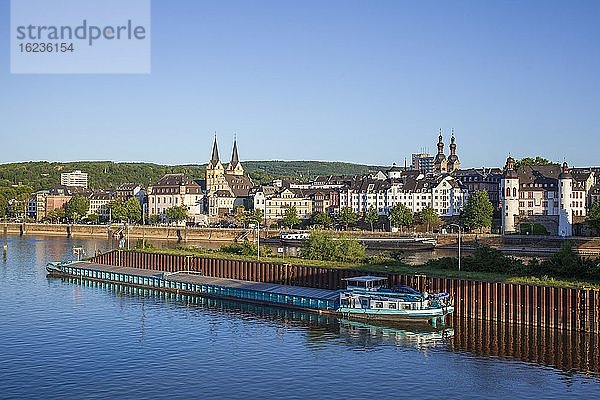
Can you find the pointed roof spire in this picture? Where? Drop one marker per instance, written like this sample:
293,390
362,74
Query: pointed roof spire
235,159
215,152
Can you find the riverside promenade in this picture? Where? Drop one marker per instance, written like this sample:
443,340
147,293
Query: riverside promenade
513,244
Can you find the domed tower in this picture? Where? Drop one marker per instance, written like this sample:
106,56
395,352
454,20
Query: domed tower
214,169
510,196
565,194
235,167
440,164
453,161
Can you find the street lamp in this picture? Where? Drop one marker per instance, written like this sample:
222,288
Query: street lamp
459,229
257,226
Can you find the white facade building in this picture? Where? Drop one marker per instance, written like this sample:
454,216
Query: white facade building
75,178
544,194
175,190
415,191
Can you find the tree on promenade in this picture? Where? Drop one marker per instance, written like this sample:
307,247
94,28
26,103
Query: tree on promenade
401,216
430,218
56,215
77,207
478,211
290,218
176,214
129,210
371,217
322,219
347,217
593,218
133,210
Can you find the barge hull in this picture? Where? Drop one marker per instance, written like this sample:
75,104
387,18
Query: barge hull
377,315
295,297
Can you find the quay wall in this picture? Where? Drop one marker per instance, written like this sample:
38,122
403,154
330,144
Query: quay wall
589,246
181,233
566,309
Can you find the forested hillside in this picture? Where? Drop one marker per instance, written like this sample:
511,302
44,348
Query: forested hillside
109,175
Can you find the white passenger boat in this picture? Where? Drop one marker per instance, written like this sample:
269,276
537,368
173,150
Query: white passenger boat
367,297
294,235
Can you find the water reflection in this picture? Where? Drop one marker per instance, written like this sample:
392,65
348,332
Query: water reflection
318,327
570,352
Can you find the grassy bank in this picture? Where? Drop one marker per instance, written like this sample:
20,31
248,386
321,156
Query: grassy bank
439,268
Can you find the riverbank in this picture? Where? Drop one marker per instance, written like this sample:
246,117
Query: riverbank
511,244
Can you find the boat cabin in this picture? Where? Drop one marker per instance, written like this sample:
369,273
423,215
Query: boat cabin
367,283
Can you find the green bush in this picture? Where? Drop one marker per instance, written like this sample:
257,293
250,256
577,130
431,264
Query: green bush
568,264
322,246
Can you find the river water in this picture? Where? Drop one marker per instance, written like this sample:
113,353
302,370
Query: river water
68,339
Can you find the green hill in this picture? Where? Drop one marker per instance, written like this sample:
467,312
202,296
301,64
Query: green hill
108,175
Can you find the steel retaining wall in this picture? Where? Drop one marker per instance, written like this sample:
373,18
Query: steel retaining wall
533,305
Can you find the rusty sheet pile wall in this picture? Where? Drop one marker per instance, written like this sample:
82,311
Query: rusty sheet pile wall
552,307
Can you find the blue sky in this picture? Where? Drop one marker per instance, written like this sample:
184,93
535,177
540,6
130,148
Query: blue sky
362,81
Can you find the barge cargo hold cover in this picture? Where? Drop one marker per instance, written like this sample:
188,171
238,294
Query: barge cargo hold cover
186,282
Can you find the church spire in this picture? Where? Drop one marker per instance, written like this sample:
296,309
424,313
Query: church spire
215,152
235,167
235,159
440,144
452,144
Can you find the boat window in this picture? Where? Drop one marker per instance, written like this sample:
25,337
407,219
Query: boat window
392,306
378,304
406,306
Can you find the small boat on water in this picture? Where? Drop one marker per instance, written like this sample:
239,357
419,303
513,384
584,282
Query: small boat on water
367,297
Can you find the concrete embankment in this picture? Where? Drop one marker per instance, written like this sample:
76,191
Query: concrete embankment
514,244
567,309
135,232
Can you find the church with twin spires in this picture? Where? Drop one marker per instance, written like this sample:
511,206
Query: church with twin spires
441,164
227,188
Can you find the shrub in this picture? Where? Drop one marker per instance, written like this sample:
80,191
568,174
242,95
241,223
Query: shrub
322,246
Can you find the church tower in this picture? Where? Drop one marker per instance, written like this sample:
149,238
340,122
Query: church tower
214,170
565,194
510,196
440,164
235,166
453,161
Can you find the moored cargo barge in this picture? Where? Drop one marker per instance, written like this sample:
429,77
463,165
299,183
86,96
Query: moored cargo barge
366,297
186,282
